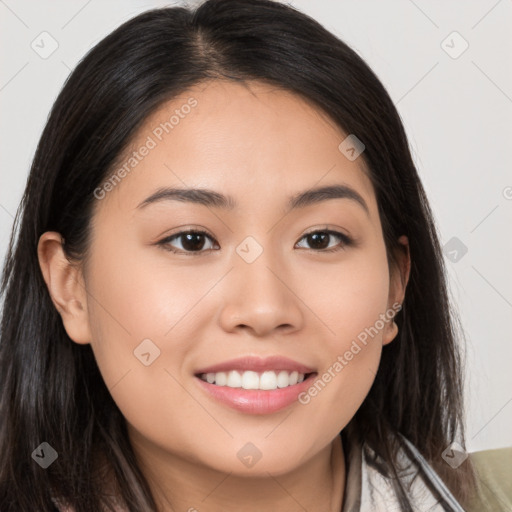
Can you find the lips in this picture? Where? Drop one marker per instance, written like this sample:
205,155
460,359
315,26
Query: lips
256,401
257,364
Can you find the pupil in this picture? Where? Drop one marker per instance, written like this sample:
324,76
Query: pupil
193,246
315,237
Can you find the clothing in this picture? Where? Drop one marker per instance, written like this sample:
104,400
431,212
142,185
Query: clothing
369,490
494,481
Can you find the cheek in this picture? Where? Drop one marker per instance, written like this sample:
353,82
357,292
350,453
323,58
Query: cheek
348,297
357,296
138,293
132,300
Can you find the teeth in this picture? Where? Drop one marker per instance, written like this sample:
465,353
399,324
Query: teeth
234,380
221,379
252,380
268,380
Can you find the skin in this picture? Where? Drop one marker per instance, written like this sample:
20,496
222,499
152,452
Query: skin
260,145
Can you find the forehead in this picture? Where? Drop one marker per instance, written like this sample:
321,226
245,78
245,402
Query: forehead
244,139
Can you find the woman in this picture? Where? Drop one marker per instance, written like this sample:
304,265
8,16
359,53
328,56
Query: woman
227,290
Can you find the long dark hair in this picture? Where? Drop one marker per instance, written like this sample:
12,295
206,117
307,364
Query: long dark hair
51,388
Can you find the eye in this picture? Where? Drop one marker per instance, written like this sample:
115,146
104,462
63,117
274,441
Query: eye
192,241
319,238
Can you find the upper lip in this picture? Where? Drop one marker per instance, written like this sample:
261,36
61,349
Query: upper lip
257,364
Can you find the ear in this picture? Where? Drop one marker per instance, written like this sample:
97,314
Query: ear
65,285
399,278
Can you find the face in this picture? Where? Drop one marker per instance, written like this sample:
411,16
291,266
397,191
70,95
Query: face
290,289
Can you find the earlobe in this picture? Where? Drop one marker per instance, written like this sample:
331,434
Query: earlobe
397,288
65,286
391,332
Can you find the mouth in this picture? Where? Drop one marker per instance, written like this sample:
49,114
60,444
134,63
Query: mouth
254,385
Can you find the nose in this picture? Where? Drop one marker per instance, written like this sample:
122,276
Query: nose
259,297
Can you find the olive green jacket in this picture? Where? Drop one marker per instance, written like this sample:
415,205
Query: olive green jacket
494,481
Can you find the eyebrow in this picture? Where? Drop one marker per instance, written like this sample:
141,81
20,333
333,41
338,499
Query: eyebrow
210,198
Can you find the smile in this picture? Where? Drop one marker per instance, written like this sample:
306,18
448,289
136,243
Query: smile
255,385
267,380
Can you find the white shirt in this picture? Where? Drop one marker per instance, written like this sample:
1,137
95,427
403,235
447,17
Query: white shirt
368,489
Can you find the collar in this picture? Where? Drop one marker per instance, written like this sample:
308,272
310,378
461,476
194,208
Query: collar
369,485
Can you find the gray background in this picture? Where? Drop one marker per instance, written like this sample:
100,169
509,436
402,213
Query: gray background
456,107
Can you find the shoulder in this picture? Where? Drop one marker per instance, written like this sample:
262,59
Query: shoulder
494,480
423,488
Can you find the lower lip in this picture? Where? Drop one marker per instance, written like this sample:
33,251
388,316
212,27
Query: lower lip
255,401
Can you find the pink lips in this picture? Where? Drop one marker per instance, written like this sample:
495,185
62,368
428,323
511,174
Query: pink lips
257,364
255,401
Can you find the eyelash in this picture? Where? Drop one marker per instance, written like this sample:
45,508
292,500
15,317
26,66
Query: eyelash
346,241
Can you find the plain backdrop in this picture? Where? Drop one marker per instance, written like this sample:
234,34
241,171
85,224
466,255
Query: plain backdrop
447,67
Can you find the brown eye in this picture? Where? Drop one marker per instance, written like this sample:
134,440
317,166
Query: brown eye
319,240
190,241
